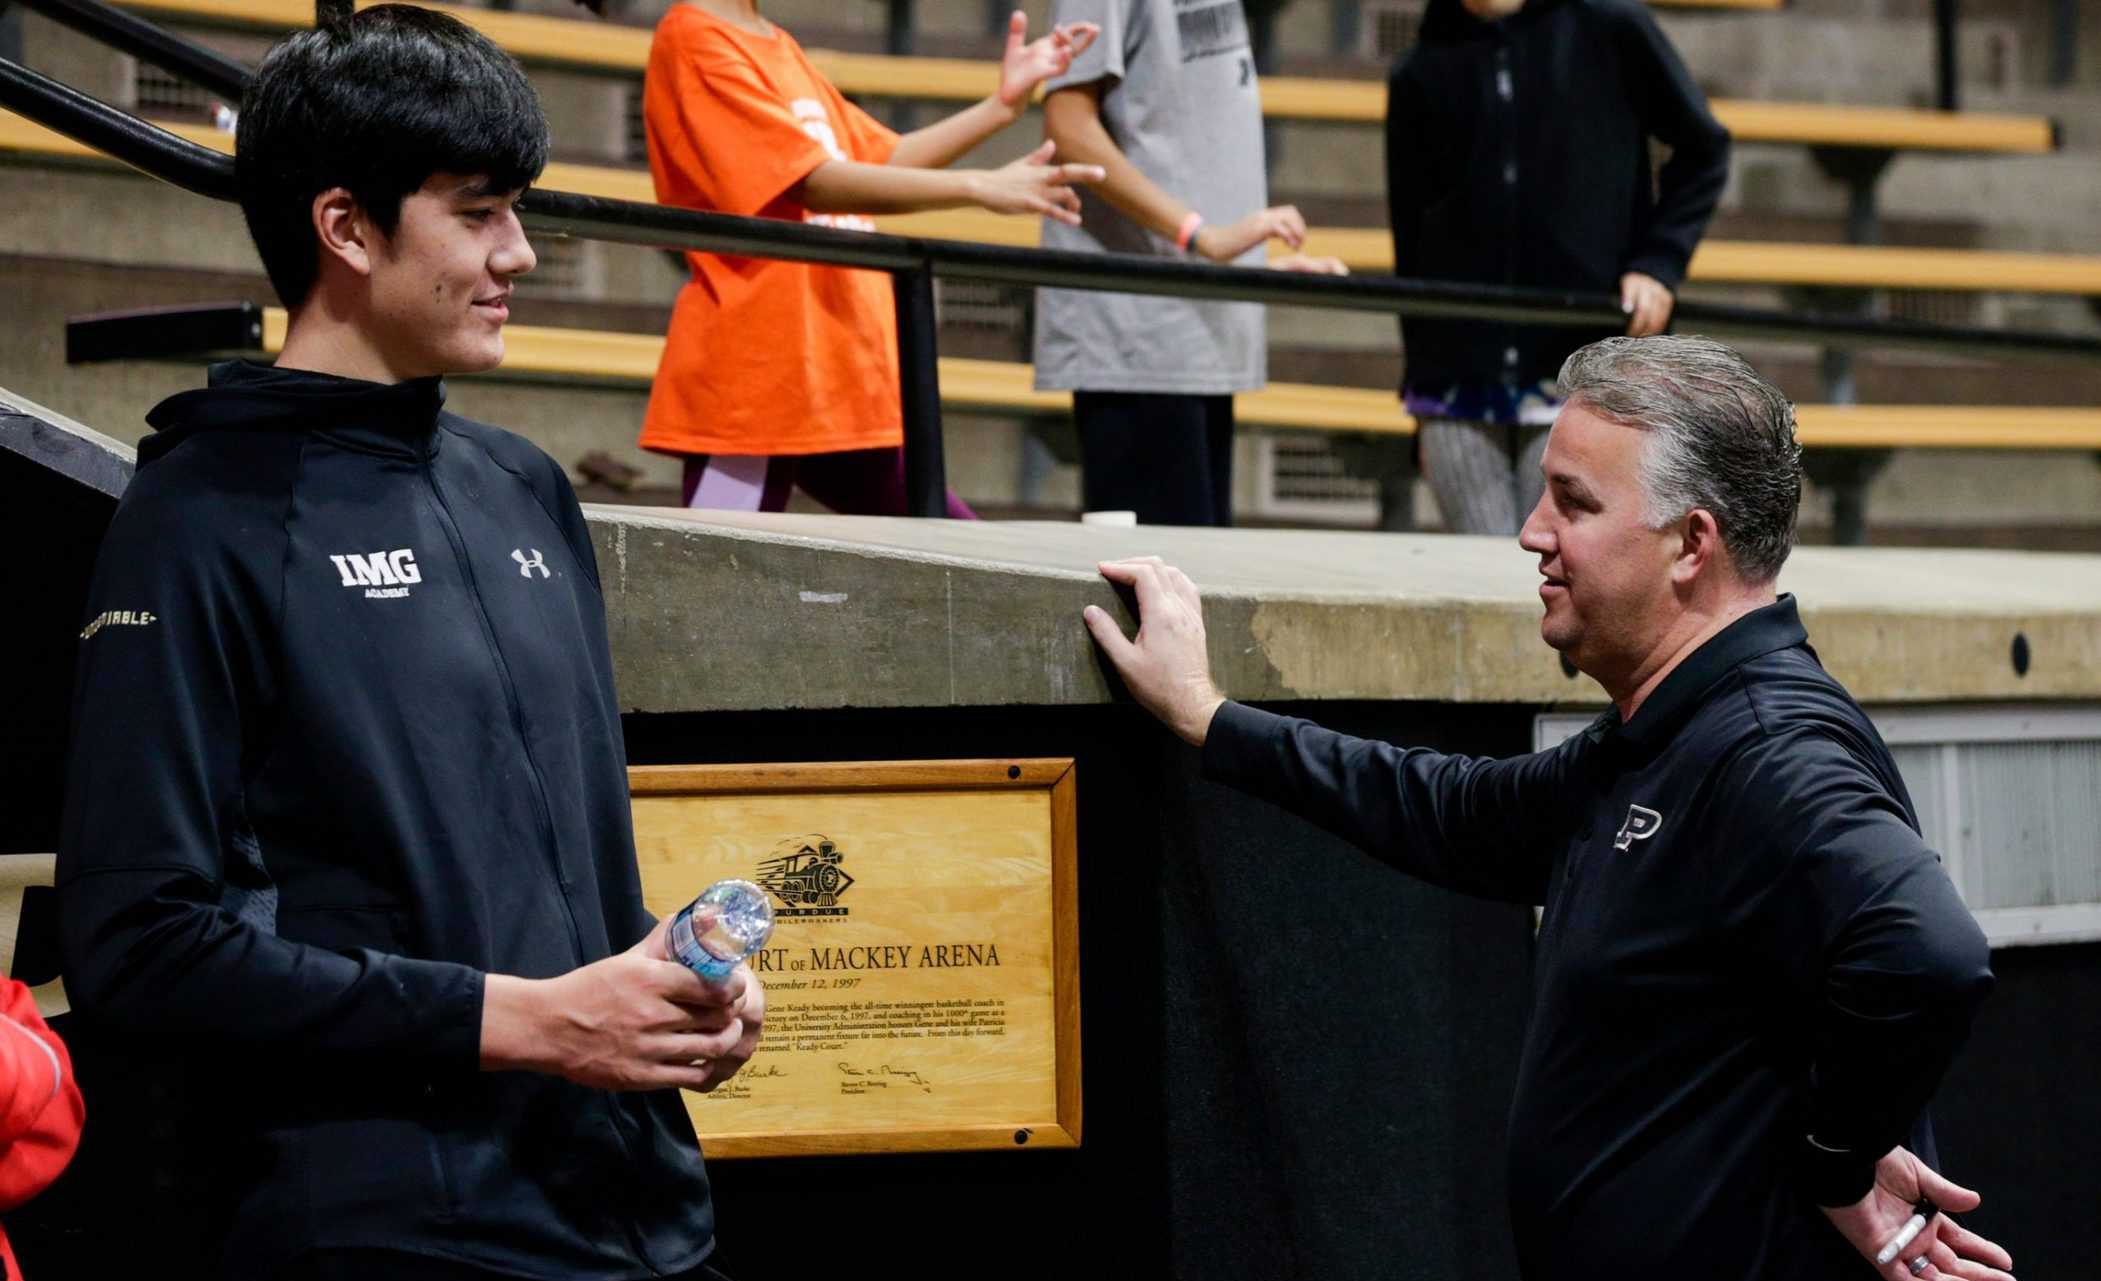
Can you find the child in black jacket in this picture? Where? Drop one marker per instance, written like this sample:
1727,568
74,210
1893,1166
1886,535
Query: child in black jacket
1517,153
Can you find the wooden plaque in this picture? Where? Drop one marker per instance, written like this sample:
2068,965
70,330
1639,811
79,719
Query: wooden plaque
923,979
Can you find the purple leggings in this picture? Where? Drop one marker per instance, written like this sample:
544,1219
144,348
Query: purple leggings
855,482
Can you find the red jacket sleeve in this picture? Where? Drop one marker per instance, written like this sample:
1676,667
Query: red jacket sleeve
40,1108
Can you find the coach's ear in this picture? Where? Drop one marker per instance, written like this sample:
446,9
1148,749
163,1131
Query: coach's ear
343,229
1700,549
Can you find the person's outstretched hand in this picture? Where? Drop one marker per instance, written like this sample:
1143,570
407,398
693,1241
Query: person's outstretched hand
1951,1251
1224,244
1310,265
1027,63
1034,185
1166,666
1648,303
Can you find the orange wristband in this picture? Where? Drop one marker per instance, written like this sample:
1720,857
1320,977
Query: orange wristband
1186,234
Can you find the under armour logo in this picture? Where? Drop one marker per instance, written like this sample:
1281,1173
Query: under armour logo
527,564
1642,823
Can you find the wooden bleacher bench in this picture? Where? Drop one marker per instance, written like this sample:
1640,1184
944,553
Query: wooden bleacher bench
1799,123
585,357
583,43
1364,249
608,47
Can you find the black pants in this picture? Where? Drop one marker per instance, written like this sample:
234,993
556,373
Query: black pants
1167,457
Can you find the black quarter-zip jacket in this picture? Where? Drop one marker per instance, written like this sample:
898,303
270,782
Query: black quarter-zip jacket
345,740
1745,943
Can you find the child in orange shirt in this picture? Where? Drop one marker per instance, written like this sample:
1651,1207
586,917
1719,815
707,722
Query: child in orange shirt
781,373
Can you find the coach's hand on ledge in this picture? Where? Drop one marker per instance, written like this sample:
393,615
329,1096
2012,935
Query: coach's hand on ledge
634,1021
1166,667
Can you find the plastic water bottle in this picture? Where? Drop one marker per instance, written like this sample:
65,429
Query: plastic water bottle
728,922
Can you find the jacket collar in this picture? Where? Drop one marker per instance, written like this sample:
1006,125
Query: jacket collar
399,419
1763,631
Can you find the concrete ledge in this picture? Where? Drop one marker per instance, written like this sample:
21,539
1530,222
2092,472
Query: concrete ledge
720,611
723,611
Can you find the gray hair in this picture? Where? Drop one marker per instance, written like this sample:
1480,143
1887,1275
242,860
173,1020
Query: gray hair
1719,437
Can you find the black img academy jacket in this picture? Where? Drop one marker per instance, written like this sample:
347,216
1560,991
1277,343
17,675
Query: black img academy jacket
1746,943
1517,153
345,740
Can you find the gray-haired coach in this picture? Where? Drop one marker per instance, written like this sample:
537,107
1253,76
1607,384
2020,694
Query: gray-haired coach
1751,971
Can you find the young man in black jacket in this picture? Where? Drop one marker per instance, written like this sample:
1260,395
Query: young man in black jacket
1517,153
347,816
1751,972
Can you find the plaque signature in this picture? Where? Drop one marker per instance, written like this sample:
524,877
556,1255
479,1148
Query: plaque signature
881,1075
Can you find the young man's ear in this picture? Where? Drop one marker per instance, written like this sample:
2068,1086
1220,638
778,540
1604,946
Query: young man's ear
344,231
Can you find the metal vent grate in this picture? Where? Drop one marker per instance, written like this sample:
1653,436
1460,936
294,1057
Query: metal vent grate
2027,819
563,269
1935,306
158,95
981,305
1389,30
637,135
1300,477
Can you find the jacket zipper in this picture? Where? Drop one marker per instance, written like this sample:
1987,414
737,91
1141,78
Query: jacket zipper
544,806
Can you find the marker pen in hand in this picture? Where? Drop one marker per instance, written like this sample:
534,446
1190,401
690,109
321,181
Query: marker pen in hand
1920,1214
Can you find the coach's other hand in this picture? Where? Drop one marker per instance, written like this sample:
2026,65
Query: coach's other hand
1165,666
1949,1251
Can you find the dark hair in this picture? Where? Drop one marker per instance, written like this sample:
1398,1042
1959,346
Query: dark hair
1720,437
375,102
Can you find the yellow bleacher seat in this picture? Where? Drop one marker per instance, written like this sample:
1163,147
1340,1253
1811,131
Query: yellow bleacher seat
575,355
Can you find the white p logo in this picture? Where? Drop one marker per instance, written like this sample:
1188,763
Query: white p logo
1641,824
